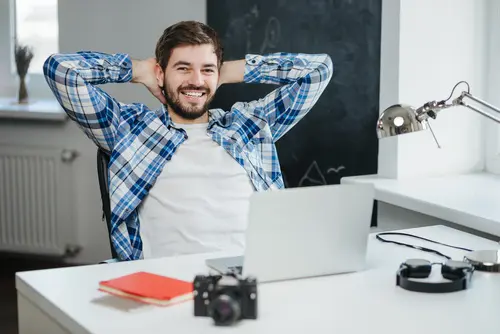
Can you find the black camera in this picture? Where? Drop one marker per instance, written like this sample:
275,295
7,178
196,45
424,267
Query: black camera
225,298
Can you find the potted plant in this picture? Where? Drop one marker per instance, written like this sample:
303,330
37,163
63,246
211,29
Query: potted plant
23,57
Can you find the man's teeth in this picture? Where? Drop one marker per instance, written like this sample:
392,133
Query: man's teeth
195,94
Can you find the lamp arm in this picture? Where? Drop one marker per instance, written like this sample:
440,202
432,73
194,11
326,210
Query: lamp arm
430,109
460,101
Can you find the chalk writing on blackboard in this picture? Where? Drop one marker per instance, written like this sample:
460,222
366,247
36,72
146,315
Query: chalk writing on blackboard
335,170
272,35
314,175
242,27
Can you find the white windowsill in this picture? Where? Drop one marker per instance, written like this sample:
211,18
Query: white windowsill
41,110
470,200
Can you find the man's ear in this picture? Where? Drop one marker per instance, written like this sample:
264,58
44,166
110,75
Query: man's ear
160,75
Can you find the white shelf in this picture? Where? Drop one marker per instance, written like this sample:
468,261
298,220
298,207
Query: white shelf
43,110
470,200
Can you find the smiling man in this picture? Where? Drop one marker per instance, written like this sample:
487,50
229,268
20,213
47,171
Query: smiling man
180,176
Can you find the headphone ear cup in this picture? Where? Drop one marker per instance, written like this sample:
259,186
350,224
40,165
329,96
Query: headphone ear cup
454,270
418,268
451,273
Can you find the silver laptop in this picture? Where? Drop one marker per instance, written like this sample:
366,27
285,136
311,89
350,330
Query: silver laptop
304,232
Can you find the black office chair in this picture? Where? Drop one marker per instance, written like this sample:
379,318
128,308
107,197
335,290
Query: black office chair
102,173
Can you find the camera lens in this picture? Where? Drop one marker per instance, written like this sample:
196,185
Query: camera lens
225,310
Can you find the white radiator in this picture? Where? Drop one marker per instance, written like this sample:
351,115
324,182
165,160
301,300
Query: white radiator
36,200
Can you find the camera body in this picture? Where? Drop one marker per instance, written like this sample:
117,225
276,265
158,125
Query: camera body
225,298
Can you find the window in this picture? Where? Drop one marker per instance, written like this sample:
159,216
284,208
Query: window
36,25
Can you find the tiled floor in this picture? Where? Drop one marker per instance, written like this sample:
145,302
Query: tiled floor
9,265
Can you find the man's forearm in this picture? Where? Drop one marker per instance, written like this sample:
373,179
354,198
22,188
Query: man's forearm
143,71
72,78
137,70
302,77
92,67
232,72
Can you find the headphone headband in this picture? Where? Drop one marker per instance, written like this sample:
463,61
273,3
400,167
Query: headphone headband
458,273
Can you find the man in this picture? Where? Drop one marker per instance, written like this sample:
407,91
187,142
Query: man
180,176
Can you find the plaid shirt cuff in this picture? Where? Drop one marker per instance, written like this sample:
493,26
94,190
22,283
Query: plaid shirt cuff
268,69
117,67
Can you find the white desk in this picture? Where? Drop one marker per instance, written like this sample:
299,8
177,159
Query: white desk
67,300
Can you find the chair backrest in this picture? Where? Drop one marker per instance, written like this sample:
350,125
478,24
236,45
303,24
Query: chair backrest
102,173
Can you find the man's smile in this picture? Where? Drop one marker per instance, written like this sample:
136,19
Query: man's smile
193,95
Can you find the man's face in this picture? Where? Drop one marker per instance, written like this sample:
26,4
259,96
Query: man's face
190,80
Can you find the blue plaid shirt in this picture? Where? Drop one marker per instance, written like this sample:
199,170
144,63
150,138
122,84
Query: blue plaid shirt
141,141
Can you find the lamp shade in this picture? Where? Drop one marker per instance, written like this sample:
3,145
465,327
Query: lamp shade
398,119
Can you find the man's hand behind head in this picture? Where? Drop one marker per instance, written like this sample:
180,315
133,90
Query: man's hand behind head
145,72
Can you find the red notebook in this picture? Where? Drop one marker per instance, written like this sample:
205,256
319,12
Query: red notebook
149,288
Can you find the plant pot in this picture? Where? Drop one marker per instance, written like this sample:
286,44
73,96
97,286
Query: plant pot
23,91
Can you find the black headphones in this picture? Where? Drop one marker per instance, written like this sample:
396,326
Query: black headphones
459,274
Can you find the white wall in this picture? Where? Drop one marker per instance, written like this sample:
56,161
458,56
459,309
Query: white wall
116,26
438,44
107,26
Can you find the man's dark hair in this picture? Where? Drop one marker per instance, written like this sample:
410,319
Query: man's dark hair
187,33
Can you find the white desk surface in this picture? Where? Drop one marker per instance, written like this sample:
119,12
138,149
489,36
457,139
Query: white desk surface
363,302
469,200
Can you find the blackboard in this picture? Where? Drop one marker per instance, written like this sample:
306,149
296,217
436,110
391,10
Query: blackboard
337,138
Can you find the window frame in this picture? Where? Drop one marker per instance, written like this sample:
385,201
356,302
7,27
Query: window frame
491,128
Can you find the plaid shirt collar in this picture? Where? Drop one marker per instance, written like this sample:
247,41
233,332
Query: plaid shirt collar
214,116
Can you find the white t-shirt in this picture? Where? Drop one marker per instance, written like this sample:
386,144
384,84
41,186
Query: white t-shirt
199,202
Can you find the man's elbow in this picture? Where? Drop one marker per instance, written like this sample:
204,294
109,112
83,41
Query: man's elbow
323,70
326,67
50,64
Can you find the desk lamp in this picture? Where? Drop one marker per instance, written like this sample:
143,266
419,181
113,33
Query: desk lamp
400,119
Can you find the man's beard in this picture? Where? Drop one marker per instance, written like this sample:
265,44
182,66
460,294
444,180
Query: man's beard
187,112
